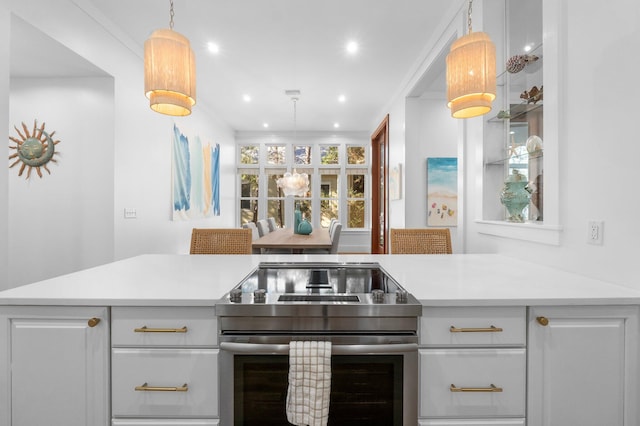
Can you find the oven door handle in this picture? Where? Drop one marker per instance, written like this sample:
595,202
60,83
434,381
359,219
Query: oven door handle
268,349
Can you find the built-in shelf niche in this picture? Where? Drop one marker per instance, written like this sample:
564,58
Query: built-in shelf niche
535,23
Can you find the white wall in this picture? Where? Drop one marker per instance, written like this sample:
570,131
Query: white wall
397,135
4,130
598,158
598,147
140,143
430,132
63,221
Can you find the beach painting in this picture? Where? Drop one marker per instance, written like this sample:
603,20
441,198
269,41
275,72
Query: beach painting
442,191
195,171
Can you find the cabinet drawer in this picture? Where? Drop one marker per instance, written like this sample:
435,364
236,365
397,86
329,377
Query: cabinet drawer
168,422
471,422
164,368
472,369
160,326
473,326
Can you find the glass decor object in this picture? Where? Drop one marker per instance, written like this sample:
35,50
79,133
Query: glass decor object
297,218
304,227
515,196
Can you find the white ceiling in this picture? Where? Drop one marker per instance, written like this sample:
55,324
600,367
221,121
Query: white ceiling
269,46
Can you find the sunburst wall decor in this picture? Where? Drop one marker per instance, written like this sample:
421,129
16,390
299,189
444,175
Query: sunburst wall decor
33,149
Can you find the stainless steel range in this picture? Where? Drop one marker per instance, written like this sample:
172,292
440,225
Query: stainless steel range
369,318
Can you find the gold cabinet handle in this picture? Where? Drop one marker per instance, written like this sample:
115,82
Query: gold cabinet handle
491,388
491,329
93,322
544,321
146,388
145,329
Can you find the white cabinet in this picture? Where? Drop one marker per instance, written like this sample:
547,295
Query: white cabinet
583,366
472,366
164,382
473,382
483,422
55,367
168,422
164,366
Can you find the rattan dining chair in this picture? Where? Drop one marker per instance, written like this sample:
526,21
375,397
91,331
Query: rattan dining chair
220,241
421,241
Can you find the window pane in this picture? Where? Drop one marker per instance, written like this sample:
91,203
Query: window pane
249,185
329,186
272,186
355,155
355,186
355,213
329,154
248,211
249,154
302,155
276,154
328,211
275,209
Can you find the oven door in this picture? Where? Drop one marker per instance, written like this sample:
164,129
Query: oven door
374,383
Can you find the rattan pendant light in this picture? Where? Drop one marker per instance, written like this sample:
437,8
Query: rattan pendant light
169,72
471,74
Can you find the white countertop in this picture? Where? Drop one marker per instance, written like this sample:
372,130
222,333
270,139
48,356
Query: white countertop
435,280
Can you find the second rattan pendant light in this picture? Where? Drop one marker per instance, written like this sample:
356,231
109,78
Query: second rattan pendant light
169,72
471,74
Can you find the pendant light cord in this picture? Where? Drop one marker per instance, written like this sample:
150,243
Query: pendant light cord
171,14
295,121
469,16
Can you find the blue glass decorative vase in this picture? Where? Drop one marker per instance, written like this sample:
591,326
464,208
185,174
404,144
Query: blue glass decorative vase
304,227
515,196
297,218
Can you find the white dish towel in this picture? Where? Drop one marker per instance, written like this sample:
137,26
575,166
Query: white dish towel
309,383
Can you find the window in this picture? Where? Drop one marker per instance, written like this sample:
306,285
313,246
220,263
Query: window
276,154
249,192
356,206
338,182
329,200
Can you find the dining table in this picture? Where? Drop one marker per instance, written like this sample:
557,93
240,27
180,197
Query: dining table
285,238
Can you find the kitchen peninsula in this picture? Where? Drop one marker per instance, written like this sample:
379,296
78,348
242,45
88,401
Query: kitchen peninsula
498,340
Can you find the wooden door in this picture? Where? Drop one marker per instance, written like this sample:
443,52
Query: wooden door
380,192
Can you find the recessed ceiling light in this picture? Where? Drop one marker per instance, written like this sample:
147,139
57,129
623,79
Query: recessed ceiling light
213,47
246,98
265,125
336,125
352,47
342,98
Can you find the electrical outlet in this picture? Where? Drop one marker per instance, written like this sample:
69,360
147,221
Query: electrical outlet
595,231
130,213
